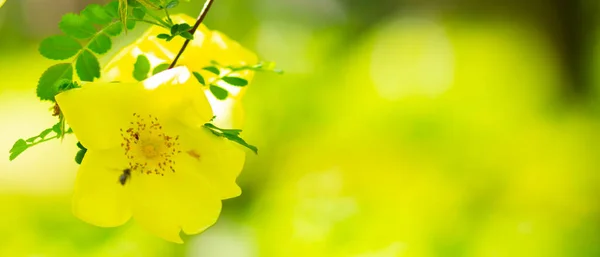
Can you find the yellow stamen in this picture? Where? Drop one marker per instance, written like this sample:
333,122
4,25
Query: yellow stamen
148,149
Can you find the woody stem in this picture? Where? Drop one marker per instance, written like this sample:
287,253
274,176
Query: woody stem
201,16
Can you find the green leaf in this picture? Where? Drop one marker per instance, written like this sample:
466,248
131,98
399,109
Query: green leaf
164,36
112,9
87,66
134,3
235,81
45,133
187,35
172,4
57,128
130,24
19,147
100,44
199,77
59,47
47,86
80,146
141,68
230,134
212,126
63,85
97,14
219,92
66,84
160,67
79,156
22,145
181,29
138,13
76,26
114,29
212,69
241,141
262,66
175,29
184,27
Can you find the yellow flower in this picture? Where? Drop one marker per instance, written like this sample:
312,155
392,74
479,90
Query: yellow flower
2,2
178,170
208,45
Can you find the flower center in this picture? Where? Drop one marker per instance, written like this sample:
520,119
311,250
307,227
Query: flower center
150,151
147,147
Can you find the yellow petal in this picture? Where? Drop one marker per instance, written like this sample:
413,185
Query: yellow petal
98,111
215,158
176,93
165,205
99,198
207,46
229,112
2,2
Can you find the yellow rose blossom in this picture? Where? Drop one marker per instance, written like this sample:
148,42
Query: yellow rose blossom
208,45
179,170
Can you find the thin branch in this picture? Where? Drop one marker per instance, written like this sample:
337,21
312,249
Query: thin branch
168,16
201,16
167,25
150,22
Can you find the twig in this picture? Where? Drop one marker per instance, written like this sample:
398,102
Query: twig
201,16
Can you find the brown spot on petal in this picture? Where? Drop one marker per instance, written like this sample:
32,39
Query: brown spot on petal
194,154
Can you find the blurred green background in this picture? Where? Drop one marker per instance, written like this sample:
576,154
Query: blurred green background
401,128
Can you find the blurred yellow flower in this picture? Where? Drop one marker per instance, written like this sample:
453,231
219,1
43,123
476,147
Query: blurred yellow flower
149,155
2,2
207,46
